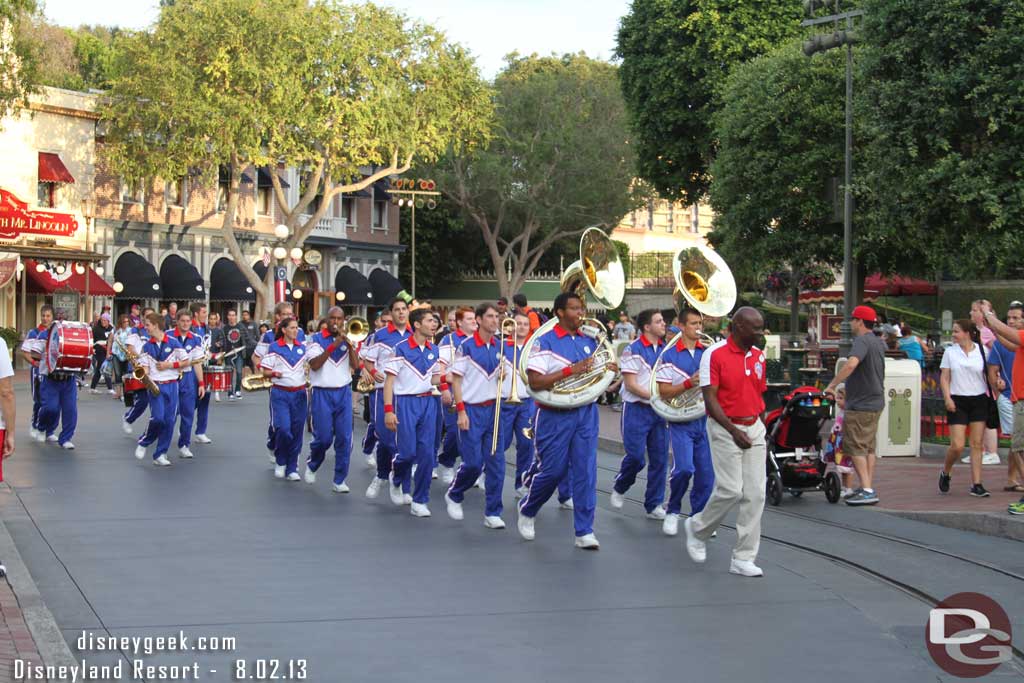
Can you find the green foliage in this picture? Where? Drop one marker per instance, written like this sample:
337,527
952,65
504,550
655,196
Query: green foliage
942,180
19,55
780,132
446,247
675,57
557,163
75,59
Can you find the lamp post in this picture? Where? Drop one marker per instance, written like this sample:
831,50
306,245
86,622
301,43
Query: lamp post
821,43
413,199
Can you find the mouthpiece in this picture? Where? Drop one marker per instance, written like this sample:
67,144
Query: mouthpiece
589,331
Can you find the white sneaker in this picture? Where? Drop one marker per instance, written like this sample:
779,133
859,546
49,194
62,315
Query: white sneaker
745,568
32,433
695,547
433,473
340,488
185,452
279,471
68,446
310,476
966,459
238,395
371,461
140,452
293,476
231,397
374,488
272,457
419,510
670,527
406,499
494,522
162,461
566,505
94,391
617,499
480,483
51,438
216,396
111,392
454,509
396,493
521,492
657,513
203,438
990,459
447,474
525,526
588,542
39,436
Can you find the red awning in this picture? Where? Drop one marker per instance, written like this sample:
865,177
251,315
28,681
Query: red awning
47,282
831,296
53,170
898,285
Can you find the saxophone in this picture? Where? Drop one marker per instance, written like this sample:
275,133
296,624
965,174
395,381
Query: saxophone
140,373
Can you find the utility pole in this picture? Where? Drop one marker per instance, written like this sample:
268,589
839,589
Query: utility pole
413,199
821,43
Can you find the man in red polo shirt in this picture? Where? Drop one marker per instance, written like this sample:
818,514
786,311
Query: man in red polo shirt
733,378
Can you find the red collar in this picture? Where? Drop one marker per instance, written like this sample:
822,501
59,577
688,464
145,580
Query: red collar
154,340
41,328
681,344
460,333
414,345
281,342
478,339
325,334
560,331
392,328
646,342
735,348
188,335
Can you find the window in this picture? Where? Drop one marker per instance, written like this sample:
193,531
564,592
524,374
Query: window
348,210
263,203
132,191
174,192
380,214
45,194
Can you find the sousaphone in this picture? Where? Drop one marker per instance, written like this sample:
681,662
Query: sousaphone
705,283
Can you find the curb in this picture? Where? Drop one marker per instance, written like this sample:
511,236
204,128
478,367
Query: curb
50,643
1000,526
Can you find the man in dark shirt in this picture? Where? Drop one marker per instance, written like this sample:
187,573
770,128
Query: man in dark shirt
252,335
234,338
864,375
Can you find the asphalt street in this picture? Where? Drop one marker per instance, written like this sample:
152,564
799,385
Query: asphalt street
359,590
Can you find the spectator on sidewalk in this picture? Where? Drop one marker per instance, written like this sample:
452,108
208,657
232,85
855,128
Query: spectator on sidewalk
523,308
864,375
100,333
1013,339
7,413
1000,374
964,383
911,345
990,441
624,330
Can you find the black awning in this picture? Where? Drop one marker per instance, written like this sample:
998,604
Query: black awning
261,270
263,178
138,276
380,191
227,283
355,286
384,286
224,176
180,280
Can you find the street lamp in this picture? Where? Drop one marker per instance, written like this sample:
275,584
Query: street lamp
280,253
412,199
281,231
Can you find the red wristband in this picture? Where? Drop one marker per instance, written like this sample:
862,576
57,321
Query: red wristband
443,386
688,384
460,406
388,408
566,371
175,365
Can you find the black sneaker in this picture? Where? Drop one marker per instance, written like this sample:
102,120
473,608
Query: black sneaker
978,491
944,482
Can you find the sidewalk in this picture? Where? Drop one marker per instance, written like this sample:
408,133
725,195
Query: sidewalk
908,487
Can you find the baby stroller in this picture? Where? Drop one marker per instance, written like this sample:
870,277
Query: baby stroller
793,430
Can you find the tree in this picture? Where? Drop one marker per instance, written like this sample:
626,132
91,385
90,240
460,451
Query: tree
74,59
558,162
942,182
19,54
675,56
329,88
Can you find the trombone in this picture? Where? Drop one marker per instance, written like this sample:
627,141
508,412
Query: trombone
508,328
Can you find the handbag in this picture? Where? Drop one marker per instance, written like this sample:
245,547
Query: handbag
992,414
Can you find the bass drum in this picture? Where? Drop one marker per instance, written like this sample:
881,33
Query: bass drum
69,347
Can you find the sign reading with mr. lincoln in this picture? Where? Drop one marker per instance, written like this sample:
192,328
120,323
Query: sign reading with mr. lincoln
16,219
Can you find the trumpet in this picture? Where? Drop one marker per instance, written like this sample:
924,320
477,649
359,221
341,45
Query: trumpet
356,329
138,372
256,383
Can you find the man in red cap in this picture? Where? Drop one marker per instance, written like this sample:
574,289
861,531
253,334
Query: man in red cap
864,375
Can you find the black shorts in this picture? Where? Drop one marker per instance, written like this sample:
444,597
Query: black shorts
968,409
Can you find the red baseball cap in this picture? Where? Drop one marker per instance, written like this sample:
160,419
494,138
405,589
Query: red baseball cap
865,313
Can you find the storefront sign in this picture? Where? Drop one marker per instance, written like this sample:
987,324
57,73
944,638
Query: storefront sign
65,305
8,268
313,257
16,219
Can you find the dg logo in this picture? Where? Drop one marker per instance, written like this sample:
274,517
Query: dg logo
969,635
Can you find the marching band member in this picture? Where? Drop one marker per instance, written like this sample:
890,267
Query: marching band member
565,439
137,337
331,362
285,362
201,330
475,385
163,357
517,418
691,453
32,351
58,399
375,359
370,438
282,310
465,326
733,379
191,387
410,408
642,428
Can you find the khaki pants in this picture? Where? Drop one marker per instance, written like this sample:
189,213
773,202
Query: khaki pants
739,479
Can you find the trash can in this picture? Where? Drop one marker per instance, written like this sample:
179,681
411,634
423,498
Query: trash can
899,427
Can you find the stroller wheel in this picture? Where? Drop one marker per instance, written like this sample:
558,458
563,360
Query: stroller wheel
774,488
833,487
796,494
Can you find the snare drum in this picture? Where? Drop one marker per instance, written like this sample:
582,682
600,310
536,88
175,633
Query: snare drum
69,347
219,379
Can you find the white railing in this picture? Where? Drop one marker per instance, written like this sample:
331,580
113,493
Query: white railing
328,226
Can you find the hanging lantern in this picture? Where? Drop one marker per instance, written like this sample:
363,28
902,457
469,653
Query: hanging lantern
280,253
296,253
340,296
118,287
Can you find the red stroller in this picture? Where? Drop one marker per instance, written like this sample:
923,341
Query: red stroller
797,425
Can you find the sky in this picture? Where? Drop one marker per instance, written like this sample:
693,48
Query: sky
490,29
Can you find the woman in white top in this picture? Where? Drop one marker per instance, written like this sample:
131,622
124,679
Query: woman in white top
965,390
